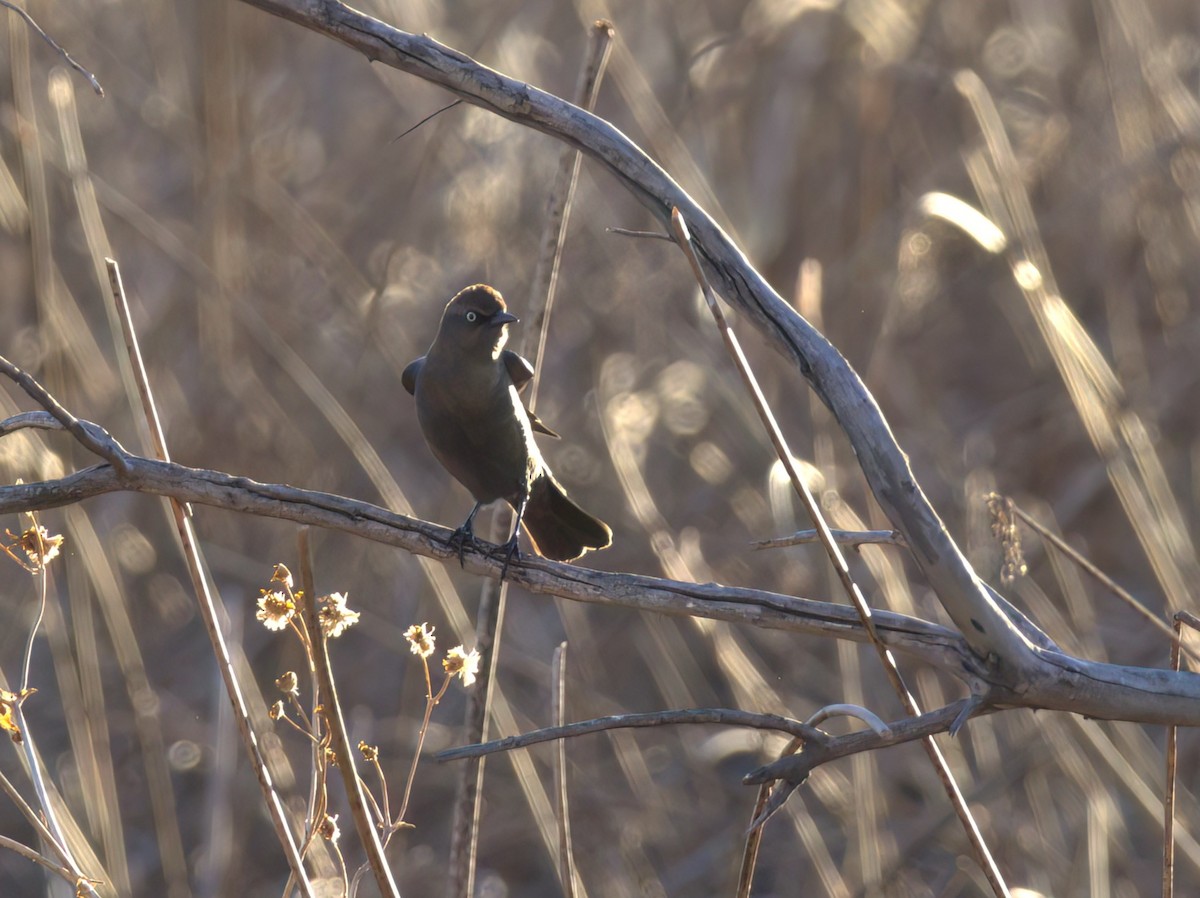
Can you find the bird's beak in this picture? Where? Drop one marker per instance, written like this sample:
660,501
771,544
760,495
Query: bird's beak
501,318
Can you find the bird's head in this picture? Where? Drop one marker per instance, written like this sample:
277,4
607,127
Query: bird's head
477,320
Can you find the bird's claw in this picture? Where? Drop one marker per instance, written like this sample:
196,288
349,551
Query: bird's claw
460,539
510,552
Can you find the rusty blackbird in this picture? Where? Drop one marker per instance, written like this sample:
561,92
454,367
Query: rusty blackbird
468,404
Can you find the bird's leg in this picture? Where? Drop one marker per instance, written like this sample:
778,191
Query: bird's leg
510,548
465,534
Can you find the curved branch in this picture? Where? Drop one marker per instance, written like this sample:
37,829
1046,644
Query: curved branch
792,770
983,623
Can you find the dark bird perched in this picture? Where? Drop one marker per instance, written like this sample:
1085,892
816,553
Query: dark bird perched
467,389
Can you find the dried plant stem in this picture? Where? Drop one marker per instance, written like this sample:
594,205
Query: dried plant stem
46,825
1168,874
558,207
558,699
464,841
431,702
205,599
52,832
26,852
833,550
42,577
58,48
490,617
755,833
841,709
1106,581
368,835
385,813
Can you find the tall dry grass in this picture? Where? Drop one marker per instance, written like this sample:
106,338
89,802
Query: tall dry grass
286,258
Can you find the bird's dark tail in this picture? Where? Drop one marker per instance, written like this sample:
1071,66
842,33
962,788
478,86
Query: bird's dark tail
560,529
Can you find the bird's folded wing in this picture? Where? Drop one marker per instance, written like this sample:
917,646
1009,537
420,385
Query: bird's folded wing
409,377
519,369
521,373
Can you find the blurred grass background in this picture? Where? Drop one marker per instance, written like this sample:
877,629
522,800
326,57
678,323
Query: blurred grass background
285,258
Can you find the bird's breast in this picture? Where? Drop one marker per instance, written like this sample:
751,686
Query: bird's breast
477,428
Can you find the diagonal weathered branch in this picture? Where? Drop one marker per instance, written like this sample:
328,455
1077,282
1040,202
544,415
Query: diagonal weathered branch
984,624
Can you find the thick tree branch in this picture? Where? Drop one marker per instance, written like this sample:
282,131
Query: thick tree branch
1059,681
931,643
984,624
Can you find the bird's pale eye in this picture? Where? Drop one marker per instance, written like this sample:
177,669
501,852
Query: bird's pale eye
472,316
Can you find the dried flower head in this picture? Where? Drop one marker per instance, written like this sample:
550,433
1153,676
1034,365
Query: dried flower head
335,617
1004,528
282,575
461,663
275,609
288,684
8,719
39,545
370,753
85,886
420,639
329,829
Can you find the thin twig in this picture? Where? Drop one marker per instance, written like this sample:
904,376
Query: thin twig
43,398
1168,875
26,852
795,769
432,699
43,595
558,206
754,833
722,716
45,825
648,235
1106,581
846,537
870,718
558,702
30,420
982,853
464,840
29,20
37,774
431,115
